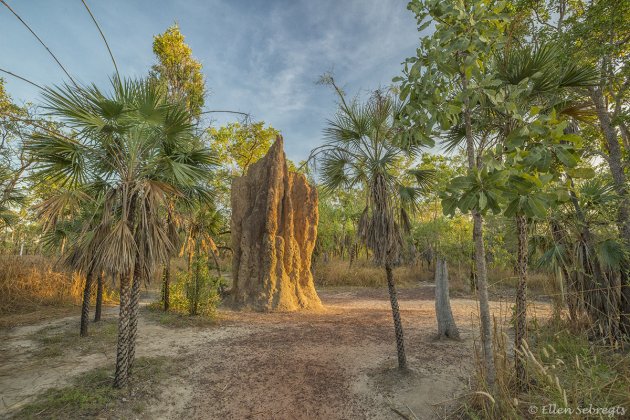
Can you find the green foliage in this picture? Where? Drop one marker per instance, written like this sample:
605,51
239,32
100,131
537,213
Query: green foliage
195,292
239,145
466,35
177,70
130,150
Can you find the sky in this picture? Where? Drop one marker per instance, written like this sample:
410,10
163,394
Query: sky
259,57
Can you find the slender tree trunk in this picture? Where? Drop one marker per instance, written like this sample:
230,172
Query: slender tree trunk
446,323
121,375
216,262
625,137
521,301
484,301
480,253
134,309
393,298
99,298
620,180
166,285
85,306
615,163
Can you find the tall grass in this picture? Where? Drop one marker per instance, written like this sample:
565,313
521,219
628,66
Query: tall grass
364,273
567,377
29,282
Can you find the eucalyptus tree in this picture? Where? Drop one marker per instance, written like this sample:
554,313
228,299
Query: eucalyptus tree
13,161
364,150
178,71
442,86
134,149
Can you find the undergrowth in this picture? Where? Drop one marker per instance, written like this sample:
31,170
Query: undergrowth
31,287
91,394
55,341
568,377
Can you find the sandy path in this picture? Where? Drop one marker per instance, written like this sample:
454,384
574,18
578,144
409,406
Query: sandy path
335,364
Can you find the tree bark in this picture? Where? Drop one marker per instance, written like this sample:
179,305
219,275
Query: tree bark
446,323
121,374
572,290
620,180
484,301
85,306
134,309
521,302
614,163
480,252
99,298
393,299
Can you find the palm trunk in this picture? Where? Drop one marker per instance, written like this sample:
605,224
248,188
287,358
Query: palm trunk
572,292
166,286
603,305
521,301
85,306
99,298
134,309
121,375
400,340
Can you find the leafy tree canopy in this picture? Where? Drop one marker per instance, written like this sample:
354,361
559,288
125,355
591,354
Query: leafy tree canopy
178,69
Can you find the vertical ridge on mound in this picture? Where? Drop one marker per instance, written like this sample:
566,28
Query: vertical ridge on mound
273,227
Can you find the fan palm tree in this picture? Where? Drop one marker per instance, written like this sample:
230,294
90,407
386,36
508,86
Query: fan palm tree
366,150
133,149
551,87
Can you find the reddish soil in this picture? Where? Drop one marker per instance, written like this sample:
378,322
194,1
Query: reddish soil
338,363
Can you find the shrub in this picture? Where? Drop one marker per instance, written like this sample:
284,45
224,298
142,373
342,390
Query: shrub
195,292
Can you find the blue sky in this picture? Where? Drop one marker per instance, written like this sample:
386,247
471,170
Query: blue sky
260,57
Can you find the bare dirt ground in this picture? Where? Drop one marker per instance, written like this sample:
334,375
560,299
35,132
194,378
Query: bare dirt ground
336,364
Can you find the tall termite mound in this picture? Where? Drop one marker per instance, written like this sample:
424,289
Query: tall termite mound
273,229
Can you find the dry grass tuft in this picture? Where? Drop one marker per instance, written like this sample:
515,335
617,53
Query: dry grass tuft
366,274
30,284
29,281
